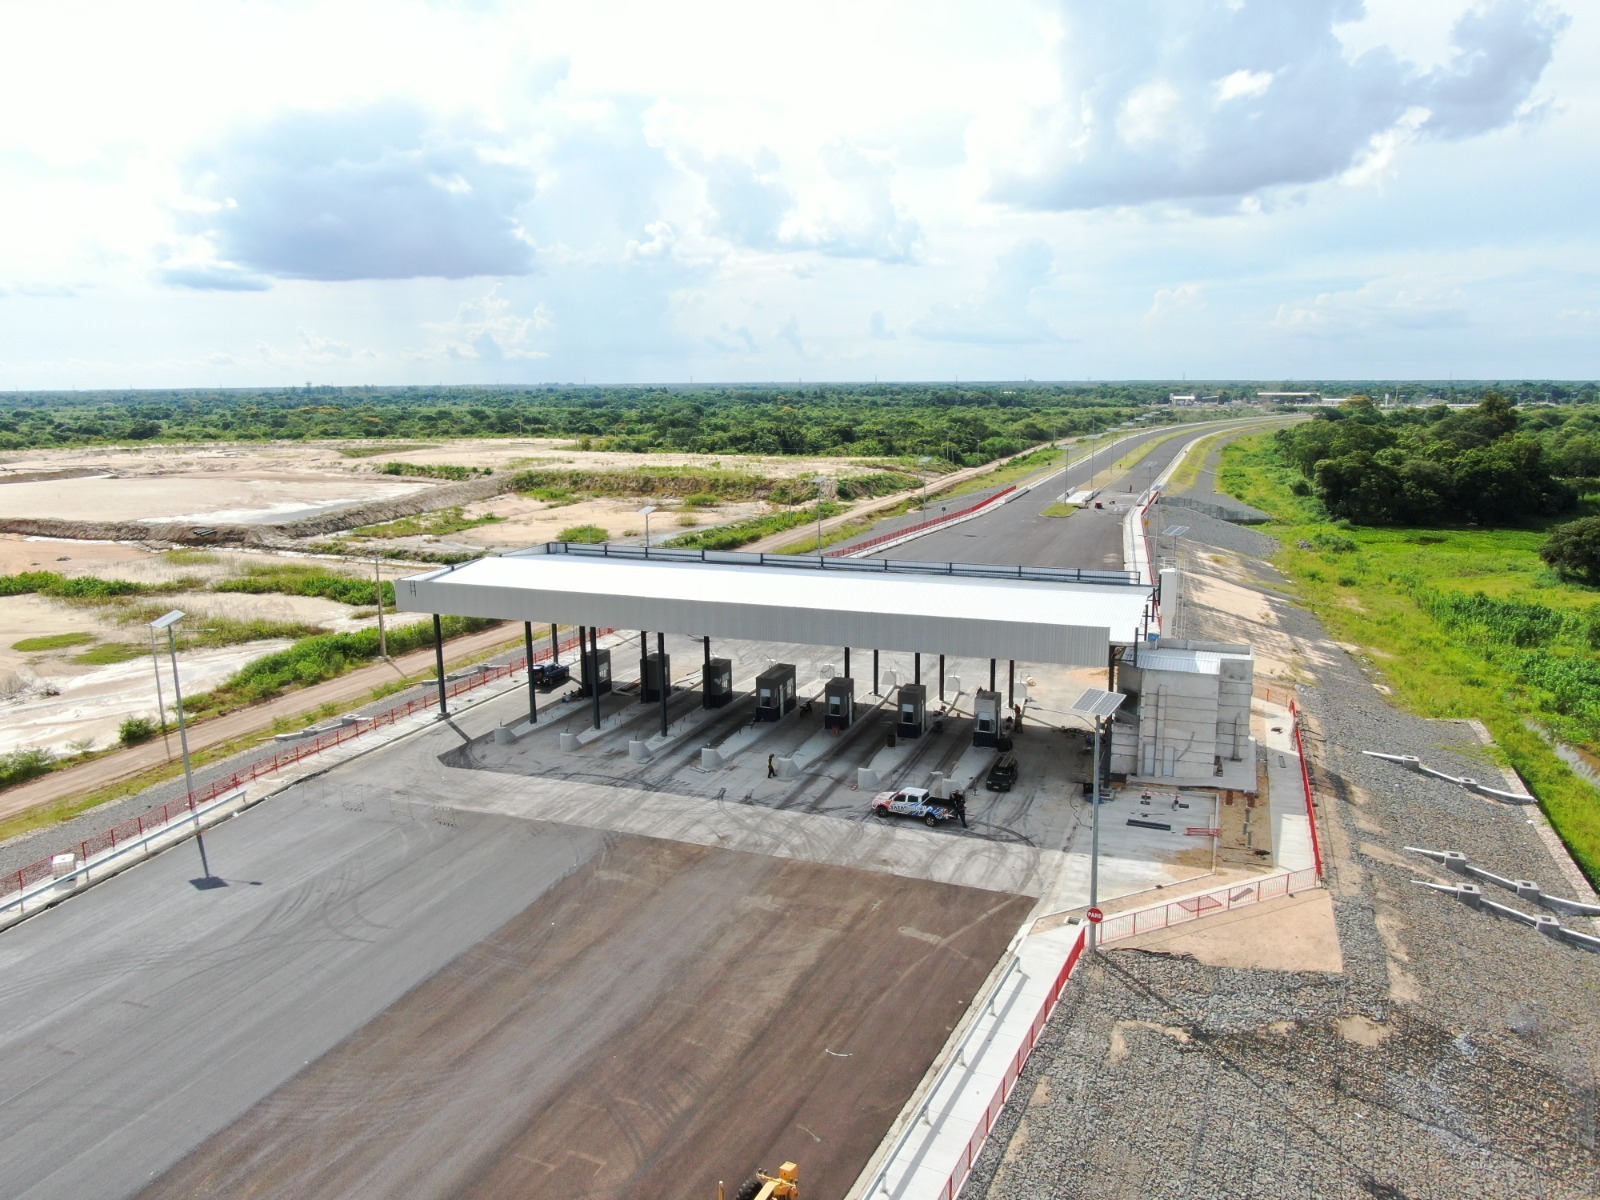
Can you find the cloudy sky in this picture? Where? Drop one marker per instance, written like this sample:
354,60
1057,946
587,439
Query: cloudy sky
243,192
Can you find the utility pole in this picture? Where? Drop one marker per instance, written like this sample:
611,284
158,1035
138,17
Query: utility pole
383,637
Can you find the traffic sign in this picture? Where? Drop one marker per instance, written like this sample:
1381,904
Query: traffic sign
1096,916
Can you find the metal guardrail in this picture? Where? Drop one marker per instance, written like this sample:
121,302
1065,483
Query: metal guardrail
812,562
1305,782
1205,904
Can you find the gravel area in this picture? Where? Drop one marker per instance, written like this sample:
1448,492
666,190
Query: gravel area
1456,1055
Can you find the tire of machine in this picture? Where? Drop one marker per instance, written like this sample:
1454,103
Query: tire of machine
931,821
751,1189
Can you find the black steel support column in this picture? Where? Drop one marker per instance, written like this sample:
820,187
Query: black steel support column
1011,682
438,659
594,672
644,653
847,662
874,672
533,695
1111,669
916,668
707,640
583,657
941,679
555,644
666,684
991,674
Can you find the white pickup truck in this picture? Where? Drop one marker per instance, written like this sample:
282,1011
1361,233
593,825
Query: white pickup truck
913,802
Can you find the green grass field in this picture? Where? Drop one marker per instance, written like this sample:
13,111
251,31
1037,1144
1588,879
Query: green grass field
1461,622
53,641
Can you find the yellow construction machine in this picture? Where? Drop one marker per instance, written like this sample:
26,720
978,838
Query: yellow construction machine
785,1185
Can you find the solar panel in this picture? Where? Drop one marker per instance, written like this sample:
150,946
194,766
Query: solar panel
1097,703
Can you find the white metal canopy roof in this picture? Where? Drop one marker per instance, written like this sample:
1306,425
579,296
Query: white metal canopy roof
1042,617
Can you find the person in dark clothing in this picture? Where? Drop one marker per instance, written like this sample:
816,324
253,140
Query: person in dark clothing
772,766
959,803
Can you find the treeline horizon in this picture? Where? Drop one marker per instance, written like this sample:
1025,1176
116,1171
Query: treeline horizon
965,423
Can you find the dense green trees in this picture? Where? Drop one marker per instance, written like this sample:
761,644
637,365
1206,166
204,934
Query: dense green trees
1483,465
1574,550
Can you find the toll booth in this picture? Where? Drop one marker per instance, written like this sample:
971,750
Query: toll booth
913,709
716,683
839,695
986,718
655,676
600,672
775,691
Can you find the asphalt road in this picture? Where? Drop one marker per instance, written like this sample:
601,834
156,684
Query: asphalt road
147,1014
1017,532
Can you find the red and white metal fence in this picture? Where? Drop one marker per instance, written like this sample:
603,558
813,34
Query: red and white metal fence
1008,1081
1218,900
144,823
1305,782
942,519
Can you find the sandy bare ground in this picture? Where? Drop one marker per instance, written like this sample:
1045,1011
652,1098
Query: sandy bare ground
76,781
210,496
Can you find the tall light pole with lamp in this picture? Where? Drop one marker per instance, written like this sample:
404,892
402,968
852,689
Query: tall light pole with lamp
923,463
167,622
1099,706
207,879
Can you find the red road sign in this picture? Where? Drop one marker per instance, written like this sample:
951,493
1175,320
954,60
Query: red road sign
1096,916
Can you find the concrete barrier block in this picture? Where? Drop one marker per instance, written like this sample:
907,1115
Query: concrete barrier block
867,779
569,742
503,736
638,750
63,864
1549,926
710,759
1527,889
1470,894
787,768
1455,861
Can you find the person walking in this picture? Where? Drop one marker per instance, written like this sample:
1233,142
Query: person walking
959,803
772,766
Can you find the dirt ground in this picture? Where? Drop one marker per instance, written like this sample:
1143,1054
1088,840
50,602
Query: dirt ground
49,700
1291,933
789,1016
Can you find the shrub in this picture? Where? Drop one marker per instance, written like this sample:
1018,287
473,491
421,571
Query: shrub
22,765
135,730
591,535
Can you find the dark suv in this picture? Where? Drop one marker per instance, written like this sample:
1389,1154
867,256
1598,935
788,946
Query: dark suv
551,673
1003,774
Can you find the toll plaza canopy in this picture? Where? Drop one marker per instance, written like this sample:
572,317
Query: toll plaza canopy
1030,614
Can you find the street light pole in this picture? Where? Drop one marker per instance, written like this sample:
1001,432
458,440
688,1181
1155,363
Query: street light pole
161,703
646,511
167,622
1098,706
923,463
1094,840
819,481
